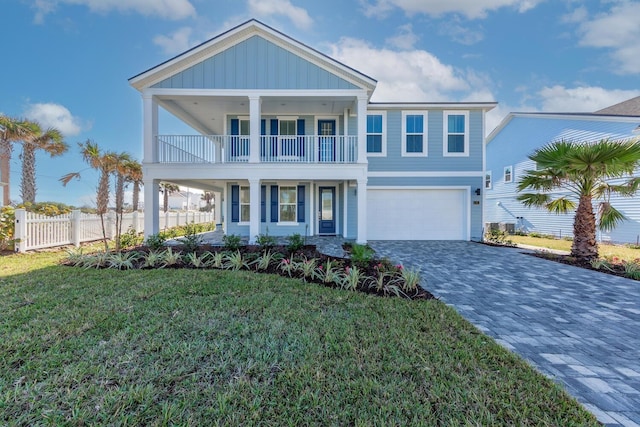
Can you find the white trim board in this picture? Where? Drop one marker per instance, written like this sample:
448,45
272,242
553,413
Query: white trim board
423,174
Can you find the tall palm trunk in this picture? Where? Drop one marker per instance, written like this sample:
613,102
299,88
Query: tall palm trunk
136,195
6,149
28,183
584,230
119,207
103,202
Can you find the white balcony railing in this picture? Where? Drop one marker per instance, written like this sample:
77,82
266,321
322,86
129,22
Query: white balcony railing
273,149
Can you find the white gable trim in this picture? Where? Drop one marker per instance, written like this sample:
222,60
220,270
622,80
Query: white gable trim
238,35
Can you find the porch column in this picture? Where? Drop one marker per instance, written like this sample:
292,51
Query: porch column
362,211
254,209
151,207
254,129
217,207
363,101
150,128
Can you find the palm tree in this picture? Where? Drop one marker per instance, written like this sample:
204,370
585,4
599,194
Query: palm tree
120,171
104,162
11,130
208,197
167,188
50,141
587,172
134,176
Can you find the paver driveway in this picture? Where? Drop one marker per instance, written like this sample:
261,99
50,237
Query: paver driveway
580,327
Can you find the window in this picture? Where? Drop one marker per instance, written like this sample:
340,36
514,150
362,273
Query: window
287,127
376,138
245,206
508,174
413,134
487,180
288,204
244,127
456,135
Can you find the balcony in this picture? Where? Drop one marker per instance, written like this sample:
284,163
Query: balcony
273,149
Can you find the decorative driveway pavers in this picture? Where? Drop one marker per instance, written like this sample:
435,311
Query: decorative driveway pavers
579,327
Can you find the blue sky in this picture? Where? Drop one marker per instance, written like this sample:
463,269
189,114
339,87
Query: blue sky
66,63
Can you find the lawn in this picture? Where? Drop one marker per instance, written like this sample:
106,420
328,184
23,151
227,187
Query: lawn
212,347
605,250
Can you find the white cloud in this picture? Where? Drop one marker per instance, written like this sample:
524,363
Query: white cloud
472,9
176,42
267,8
619,31
55,115
579,14
582,98
412,75
169,9
461,33
405,39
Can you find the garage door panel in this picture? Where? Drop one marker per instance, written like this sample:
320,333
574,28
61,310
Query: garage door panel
410,214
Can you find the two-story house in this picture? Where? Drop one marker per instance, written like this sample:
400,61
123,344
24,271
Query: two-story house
288,140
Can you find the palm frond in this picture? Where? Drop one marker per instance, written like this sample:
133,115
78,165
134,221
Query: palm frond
534,199
610,217
561,205
65,179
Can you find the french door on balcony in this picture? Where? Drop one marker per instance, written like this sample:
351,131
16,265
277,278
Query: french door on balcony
327,140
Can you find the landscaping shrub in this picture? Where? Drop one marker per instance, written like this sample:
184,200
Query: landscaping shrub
7,227
497,237
295,242
232,242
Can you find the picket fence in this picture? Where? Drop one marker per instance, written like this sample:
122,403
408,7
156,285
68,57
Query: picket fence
35,231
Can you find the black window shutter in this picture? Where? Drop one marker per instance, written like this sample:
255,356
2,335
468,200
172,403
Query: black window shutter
235,203
300,203
274,203
235,130
274,138
263,203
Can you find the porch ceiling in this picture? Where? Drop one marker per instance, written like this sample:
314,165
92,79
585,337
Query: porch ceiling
206,114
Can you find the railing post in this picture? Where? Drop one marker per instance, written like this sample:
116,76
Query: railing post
20,231
76,227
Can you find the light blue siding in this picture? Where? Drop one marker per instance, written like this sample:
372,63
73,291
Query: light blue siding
434,161
519,138
255,63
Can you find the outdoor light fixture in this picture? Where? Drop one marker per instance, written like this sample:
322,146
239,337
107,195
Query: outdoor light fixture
477,191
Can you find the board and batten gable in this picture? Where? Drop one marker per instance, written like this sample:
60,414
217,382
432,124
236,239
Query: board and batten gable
520,135
255,63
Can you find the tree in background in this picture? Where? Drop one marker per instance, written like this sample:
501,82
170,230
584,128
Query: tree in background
588,172
207,197
167,188
52,142
12,130
121,171
134,176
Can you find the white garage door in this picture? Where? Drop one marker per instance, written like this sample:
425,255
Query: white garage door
410,214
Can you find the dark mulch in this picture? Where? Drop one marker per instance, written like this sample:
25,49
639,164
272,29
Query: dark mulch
613,269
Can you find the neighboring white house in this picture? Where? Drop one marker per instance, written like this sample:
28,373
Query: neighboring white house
288,140
520,134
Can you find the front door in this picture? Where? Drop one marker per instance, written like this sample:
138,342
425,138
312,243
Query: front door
327,140
327,212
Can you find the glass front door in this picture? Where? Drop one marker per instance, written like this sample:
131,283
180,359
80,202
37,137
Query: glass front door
327,214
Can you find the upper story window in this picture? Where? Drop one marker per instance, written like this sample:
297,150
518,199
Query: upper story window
414,133
487,180
244,127
287,127
288,204
376,135
456,133
508,174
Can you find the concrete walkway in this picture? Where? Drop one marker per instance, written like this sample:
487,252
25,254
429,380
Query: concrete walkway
579,327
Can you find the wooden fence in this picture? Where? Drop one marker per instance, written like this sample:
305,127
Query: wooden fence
35,231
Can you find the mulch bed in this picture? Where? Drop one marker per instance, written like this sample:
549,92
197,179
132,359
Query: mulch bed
613,269
307,252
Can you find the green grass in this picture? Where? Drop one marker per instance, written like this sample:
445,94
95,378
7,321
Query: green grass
605,250
195,347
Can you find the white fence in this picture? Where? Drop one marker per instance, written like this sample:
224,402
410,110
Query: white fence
35,231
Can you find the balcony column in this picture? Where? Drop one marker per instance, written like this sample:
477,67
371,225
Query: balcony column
363,101
150,128
254,207
254,129
151,207
362,211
